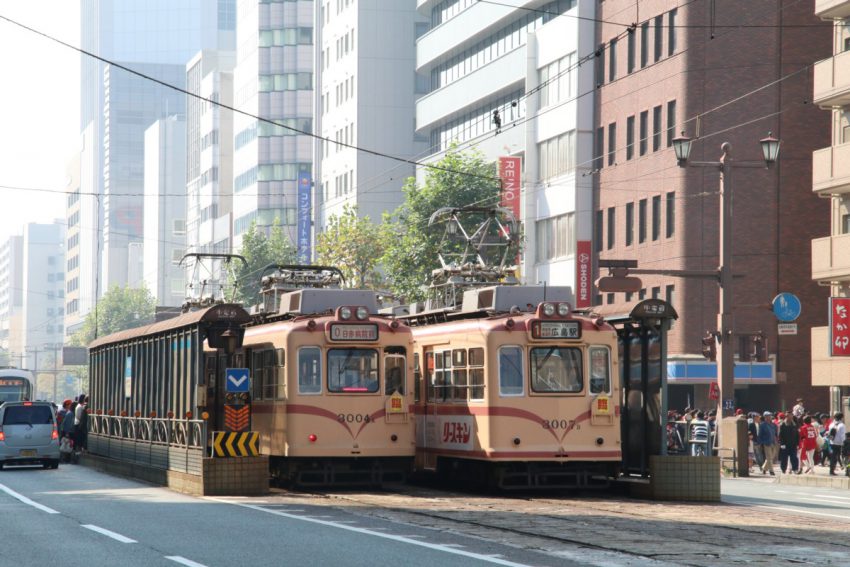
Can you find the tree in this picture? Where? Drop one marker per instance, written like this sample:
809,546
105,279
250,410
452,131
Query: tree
119,309
353,245
259,251
410,245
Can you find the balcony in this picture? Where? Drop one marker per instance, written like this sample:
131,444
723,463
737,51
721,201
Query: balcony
831,258
832,81
831,170
827,370
832,9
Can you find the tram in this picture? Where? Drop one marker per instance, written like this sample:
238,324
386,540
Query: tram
512,385
16,384
331,381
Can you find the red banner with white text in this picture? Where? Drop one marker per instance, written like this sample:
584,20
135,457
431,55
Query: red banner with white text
583,274
839,326
510,169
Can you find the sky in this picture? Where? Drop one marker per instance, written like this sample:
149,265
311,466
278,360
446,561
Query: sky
39,109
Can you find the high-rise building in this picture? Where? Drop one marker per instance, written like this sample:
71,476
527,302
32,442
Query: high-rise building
273,79
157,38
505,80
11,295
165,211
831,180
365,98
685,67
43,282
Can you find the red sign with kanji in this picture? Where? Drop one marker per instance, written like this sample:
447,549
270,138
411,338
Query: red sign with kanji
839,326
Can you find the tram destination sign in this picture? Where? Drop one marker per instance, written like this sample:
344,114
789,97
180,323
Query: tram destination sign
556,330
344,332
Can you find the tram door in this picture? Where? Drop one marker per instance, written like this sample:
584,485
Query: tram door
430,427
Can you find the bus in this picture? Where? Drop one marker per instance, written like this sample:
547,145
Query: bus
16,385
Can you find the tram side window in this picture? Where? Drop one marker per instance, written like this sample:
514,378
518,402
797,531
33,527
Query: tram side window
257,373
556,370
430,364
269,374
394,366
476,374
600,370
417,377
309,370
510,371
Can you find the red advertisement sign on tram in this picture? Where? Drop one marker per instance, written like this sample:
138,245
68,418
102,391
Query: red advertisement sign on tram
839,326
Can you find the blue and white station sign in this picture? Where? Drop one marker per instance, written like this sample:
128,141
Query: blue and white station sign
786,306
236,380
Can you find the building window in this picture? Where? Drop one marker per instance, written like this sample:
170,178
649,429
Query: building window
656,128
555,237
656,293
598,231
644,44
642,294
630,64
659,36
656,217
612,143
557,155
671,31
612,223
642,221
556,80
600,64
630,223
600,147
644,134
630,137
671,122
609,298
668,293
671,213
612,60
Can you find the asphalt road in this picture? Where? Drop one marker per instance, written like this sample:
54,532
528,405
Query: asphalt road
824,503
77,516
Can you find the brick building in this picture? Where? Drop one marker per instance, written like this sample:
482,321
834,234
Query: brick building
683,66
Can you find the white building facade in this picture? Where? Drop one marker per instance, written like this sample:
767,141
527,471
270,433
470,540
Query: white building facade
11,295
534,65
366,87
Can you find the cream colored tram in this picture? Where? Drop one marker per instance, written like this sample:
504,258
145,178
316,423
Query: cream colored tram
332,390
522,397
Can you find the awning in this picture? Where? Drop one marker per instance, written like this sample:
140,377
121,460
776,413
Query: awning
705,372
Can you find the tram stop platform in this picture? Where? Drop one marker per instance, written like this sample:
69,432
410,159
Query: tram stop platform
819,478
241,476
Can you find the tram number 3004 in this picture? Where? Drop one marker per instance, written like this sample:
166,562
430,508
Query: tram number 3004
353,418
568,424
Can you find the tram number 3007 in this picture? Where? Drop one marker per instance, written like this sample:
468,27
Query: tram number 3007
568,424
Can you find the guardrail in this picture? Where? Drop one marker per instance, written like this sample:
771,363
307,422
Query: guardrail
170,444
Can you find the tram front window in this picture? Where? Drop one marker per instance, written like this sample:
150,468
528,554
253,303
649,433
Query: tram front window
556,370
353,370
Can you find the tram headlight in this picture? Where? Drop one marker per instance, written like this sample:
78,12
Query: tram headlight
362,313
345,313
563,309
548,309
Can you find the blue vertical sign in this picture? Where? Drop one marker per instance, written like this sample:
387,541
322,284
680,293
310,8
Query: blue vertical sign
305,205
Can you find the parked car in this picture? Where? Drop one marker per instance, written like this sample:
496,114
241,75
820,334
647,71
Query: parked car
28,434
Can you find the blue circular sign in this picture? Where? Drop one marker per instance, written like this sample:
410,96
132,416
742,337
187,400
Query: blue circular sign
786,306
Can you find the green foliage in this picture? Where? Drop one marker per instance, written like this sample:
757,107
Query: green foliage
259,251
353,245
410,246
119,309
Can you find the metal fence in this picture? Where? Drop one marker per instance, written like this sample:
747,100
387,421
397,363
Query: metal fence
170,444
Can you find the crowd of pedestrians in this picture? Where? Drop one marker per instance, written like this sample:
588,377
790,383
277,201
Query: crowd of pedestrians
72,422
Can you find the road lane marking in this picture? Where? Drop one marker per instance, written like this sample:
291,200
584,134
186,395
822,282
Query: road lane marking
799,511
26,500
107,533
184,561
365,531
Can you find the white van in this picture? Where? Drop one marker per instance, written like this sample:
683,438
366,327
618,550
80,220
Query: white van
28,434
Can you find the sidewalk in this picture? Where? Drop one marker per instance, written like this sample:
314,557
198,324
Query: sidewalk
820,477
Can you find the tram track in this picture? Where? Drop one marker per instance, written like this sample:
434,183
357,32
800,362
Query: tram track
645,531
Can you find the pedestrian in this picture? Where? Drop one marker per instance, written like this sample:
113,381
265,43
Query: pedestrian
767,439
63,411
808,445
758,450
799,411
67,431
789,439
836,435
700,436
81,423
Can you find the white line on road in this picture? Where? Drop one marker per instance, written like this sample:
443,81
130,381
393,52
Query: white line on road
107,533
26,500
184,561
799,511
809,494
401,539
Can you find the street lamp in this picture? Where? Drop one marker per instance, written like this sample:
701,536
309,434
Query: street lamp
682,148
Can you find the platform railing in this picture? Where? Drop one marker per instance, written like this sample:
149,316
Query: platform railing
172,444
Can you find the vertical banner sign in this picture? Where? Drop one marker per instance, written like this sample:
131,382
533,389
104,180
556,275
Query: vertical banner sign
509,173
839,326
305,204
583,268
128,377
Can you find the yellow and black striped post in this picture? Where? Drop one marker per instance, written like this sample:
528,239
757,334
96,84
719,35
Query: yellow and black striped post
242,444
